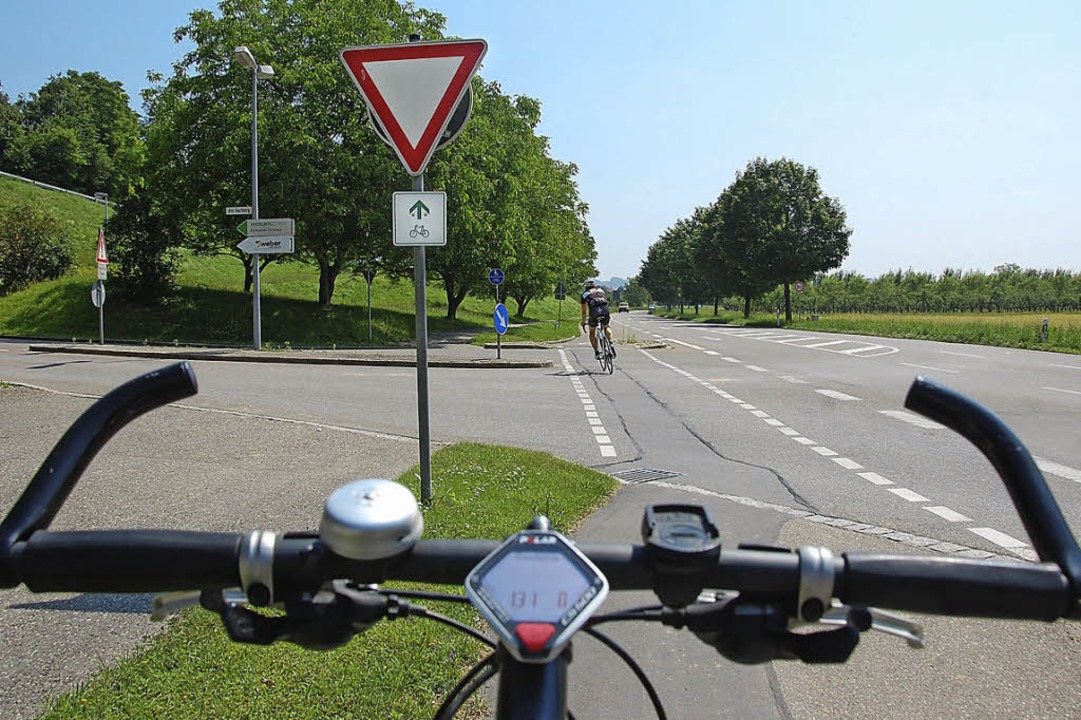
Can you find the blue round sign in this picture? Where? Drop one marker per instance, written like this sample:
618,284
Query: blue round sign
495,276
501,318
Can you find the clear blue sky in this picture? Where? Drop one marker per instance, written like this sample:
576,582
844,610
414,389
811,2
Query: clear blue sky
948,129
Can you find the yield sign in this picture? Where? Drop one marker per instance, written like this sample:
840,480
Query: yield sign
412,89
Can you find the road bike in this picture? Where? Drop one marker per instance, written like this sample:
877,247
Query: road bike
419,230
537,589
606,353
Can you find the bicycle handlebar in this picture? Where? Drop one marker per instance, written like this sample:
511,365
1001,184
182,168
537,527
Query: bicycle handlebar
164,560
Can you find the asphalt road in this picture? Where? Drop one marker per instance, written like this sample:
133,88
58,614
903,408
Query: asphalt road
784,441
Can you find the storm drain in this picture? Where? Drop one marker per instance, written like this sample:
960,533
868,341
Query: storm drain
644,475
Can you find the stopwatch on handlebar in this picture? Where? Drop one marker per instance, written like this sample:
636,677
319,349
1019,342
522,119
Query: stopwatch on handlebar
536,589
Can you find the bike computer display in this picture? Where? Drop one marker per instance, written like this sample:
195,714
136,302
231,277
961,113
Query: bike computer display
536,590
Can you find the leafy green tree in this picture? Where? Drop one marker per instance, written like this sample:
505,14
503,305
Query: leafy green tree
10,130
79,132
142,258
32,247
510,205
778,227
319,161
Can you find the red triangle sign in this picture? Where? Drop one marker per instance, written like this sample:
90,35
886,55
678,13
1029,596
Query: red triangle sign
102,257
413,88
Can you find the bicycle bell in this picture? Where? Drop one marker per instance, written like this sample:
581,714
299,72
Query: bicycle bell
370,520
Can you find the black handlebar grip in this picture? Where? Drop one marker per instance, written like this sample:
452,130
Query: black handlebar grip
956,586
52,484
111,561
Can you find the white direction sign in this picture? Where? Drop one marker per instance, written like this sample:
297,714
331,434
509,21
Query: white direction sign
266,245
268,227
238,210
413,89
420,218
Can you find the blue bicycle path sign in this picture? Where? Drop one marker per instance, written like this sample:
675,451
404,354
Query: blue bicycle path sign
495,276
501,318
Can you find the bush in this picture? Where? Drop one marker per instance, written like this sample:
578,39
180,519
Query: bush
141,248
32,247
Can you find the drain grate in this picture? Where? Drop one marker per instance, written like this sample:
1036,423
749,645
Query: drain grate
644,475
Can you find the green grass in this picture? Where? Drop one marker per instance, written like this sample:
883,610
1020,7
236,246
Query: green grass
1015,330
211,307
399,669
545,331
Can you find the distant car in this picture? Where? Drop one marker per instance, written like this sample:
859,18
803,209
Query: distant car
652,307
625,306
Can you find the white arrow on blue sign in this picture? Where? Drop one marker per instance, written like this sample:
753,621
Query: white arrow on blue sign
495,276
501,318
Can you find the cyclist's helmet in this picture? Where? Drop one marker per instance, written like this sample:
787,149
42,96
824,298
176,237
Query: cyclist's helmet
589,285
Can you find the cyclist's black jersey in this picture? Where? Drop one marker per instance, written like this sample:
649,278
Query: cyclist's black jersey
596,301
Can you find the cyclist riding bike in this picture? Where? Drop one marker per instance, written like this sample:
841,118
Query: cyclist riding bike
595,312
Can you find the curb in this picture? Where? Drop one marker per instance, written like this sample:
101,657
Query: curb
297,357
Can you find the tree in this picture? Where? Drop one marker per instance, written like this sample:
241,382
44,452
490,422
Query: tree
10,129
319,161
79,132
32,247
143,258
777,226
511,206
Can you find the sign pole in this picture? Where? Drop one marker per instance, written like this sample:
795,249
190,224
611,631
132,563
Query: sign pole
420,279
369,278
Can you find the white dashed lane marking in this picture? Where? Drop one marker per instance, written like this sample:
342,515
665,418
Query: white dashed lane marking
1015,546
929,367
836,395
1055,469
1055,389
596,425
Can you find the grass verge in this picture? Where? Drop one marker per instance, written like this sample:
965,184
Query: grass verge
395,670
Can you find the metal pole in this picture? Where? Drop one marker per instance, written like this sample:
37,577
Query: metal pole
101,308
257,332
420,279
369,311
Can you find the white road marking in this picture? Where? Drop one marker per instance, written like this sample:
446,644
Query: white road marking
876,478
773,421
948,352
909,495
731,360
856,351
826,344
824,451
936,369
1055,469
1072,392
999,538
788,431
760,413
756,368
596,425
1070,367
680,342
712,352
948,515
804,441
847,464
836,395
793,379
913,419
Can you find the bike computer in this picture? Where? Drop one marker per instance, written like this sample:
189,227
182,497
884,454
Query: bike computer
536,590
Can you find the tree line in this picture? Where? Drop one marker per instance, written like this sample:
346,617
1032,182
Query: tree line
174,171
773,226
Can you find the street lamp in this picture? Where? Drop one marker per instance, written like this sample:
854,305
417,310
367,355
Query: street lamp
259,72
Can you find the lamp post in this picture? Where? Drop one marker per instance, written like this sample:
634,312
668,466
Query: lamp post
103,197
258,72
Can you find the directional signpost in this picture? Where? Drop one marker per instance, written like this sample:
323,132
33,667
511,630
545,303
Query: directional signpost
501,319
264,236
413,92
420,219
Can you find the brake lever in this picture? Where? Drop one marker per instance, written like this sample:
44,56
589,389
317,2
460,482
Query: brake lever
884,622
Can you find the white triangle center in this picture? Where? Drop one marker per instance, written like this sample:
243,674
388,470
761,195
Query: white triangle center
413,88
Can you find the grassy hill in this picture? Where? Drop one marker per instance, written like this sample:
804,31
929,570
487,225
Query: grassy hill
211,307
